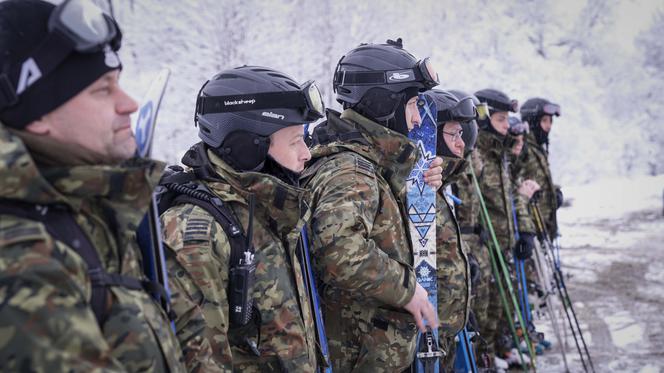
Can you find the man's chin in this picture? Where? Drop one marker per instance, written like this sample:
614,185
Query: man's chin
124,151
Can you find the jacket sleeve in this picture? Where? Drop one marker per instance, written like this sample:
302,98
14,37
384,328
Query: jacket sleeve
197,259
45,319
345,204
524,219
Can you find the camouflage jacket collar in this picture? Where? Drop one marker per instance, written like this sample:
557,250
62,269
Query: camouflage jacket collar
491,143
394,154
281,204
21,179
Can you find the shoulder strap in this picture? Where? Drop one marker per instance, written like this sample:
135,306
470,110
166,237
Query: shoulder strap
198,194
61,225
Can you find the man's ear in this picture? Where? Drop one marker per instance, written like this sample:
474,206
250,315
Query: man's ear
41,126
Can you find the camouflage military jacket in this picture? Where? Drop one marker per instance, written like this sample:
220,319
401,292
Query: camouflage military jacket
45,316
361,243
198,261
499,191
468,212
535,166
360,236
451,261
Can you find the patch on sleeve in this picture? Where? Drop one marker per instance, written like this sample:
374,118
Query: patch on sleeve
365,167
197,229
15,231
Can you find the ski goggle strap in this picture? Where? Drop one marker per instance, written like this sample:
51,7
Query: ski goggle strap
463,111
423,72
308,99
494,105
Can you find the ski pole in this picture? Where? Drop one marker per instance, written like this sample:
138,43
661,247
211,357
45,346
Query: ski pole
487,223
562,288
545,282
315,302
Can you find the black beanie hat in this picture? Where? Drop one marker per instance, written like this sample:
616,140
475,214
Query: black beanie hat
23,27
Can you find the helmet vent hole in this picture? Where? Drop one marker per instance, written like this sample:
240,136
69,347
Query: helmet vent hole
293,85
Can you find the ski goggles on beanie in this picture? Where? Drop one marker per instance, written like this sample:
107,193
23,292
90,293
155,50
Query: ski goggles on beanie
545,109
423,72
308,99
465,110
79,47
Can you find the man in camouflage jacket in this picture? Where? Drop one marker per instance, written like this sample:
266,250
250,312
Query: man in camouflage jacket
281,336
507,208
361,244
70,150
535,163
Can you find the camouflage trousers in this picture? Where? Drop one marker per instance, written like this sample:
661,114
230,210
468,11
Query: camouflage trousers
449,345
485,297
366,338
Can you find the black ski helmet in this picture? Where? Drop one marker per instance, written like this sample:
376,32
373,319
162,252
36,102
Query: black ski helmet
497,101
532,112
449,108
469,127
377,80
238,109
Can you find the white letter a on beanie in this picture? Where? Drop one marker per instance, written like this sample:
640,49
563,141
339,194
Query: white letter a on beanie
29,74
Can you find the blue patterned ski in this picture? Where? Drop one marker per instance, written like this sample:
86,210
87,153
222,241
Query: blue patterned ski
421,204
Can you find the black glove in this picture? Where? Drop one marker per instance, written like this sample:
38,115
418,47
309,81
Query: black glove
559,197
536,196
525,246
475,271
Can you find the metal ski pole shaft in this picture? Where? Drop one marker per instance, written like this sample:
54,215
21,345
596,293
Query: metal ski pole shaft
503,298
564,286
562,289
545,283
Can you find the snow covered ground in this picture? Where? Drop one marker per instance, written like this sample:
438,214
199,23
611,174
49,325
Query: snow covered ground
612,241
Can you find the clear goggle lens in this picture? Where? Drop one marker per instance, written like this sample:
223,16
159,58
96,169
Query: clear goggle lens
431,73
315,99
551,109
